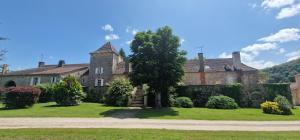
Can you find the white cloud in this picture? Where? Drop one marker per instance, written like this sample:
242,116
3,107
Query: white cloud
253,5
225,55
257,48
131,30
260,64
108,27
284,35
129,42
111,37
293,55
268,4
287,12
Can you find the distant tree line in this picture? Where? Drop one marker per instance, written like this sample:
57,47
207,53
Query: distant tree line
283,73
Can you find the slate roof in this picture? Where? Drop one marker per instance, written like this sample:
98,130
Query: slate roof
211,65
50,70
107,47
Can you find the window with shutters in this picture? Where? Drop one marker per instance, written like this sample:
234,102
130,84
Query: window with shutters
99,82
53,80
101,70
35,81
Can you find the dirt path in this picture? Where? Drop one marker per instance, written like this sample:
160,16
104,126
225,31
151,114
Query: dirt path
14,123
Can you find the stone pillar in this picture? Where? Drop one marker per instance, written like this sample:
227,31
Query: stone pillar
295,88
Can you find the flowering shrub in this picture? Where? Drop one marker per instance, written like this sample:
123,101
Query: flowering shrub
21,97
270,107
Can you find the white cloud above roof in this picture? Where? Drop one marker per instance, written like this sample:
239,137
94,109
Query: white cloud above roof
111,37
289,11
284,35
268,4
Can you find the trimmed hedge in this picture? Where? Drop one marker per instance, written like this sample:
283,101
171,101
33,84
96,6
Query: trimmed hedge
184,102
21,97
244,96
221,102
200,94
96,95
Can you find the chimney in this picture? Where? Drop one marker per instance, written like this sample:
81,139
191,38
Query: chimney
41,64
236,58
4,69
61,63
201,62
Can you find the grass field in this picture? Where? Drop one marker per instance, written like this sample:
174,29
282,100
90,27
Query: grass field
93,110
87,110
215,114
141,134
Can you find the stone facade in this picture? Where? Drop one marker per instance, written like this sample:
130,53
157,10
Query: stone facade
106,64
295,88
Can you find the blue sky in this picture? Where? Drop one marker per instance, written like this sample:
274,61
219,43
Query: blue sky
267,32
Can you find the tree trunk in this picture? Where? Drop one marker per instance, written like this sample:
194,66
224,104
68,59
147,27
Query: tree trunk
158,100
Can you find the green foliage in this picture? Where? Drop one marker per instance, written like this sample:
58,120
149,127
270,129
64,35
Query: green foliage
256,98
157,61
96,95
270,107
283,73
68,92
272,90
122,53
46,93
221,102
21,97
284,105
201,93
184,102
119,91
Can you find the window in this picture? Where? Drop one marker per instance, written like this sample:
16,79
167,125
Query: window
99,82
53,79
35,81
96,70
101,70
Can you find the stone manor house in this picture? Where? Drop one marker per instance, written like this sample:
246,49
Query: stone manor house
106,64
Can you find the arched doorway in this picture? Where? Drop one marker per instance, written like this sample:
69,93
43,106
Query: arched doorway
10,84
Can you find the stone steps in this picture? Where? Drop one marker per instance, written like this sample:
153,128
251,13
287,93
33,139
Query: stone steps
138,99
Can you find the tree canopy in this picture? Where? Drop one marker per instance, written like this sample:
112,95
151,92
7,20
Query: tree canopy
283,73
122,53
157,61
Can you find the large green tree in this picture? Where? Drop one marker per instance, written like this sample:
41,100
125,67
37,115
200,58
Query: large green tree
157,61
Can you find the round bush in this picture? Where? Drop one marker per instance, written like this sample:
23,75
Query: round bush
184,102
221,102
284,105
21,97
270,107
68,92
119,92
46,93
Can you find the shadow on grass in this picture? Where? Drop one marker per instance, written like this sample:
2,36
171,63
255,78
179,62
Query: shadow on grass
139,113
153,113
56,105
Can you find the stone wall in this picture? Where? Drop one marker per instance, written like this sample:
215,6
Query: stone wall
295,88
25,80
226,77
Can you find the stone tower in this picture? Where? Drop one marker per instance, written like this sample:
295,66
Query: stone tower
103,63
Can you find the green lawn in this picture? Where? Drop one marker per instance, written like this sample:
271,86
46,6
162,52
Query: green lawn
88,110
93,110
141,134
215,114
